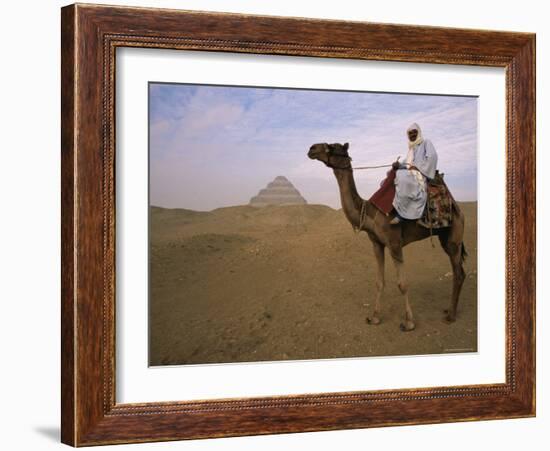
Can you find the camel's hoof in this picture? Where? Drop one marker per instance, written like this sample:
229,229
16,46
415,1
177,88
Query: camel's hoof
449,319
374,321
407,326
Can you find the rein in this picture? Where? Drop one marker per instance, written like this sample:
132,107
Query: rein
350,167
373,167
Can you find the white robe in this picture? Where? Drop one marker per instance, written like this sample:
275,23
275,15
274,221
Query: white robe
410,185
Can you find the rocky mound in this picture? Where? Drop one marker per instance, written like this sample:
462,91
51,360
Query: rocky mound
279,192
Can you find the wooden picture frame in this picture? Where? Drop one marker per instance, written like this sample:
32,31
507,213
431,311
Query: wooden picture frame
90,412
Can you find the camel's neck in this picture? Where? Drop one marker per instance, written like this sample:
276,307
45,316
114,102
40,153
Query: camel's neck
351,201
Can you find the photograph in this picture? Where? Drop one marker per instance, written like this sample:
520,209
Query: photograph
302,224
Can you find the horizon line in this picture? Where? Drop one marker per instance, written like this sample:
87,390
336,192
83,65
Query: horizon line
267,206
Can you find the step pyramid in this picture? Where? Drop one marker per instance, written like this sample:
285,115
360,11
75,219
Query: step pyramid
278,192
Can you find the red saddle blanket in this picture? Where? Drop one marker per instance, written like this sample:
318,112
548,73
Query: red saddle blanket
383,198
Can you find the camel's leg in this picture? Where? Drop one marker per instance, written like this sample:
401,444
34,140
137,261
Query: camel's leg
380,282
454,251
453,246
397,257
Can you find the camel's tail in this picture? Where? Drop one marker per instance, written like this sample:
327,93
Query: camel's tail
463,254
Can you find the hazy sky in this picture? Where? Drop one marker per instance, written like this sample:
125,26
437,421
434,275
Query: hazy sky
214,146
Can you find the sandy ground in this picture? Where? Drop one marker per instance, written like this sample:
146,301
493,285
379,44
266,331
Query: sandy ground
283,283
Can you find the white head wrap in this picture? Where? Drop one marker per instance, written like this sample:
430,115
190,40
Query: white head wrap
410,154
419,138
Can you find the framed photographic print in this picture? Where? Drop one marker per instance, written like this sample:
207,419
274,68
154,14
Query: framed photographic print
281,224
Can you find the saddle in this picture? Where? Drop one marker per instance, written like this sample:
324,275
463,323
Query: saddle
438,212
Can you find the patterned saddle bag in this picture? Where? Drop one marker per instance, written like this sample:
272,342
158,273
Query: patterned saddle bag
438,212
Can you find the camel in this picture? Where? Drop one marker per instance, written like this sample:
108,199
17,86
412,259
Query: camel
365,216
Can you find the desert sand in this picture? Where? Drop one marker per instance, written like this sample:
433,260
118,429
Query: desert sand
241,284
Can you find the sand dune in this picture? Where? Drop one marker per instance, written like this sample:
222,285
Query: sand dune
292,282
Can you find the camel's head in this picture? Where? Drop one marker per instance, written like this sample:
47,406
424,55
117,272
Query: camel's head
333,155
